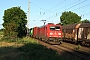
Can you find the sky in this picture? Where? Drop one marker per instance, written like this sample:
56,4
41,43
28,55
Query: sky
49,10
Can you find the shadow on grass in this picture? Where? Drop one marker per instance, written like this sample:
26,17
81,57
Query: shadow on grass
29,51
8,53
38,52
33,51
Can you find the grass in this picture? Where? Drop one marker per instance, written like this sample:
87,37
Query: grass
26,48
1,32
23,40
78,47
38,52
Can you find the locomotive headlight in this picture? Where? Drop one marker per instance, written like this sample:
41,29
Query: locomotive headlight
59,33
51,33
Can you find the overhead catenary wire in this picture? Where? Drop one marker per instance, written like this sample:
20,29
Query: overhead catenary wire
87,13
76,4
50,8
56,5
68,8
65,6
38,7
81,7
62,8
42,14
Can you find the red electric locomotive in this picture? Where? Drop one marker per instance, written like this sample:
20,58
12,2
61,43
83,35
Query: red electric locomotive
50,33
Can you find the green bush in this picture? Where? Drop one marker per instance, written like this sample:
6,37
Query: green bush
78,47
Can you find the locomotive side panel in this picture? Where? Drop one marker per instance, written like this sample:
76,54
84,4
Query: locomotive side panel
51,33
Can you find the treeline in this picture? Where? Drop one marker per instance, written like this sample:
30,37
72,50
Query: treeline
15,20
69,17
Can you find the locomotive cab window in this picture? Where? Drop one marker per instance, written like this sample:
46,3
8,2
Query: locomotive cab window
57,28
54,28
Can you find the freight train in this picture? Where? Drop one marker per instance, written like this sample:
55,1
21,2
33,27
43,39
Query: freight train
54,33
78,33
51,33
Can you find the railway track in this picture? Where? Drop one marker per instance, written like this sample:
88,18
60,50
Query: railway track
67,52
81,55
77,48
85,43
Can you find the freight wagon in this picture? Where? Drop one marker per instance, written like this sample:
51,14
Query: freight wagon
79,33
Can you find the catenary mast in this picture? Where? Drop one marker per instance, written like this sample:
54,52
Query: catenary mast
28,17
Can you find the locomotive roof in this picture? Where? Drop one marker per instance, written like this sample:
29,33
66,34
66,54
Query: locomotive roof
77,25
42,26
47,24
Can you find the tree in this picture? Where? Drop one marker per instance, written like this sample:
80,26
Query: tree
69,18
85,21
14,22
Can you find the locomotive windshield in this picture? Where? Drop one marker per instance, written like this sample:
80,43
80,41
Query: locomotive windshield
54,28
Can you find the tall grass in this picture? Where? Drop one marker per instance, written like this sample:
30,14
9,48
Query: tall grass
1,33
23,40
29,50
